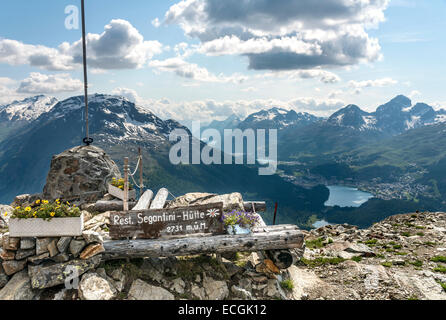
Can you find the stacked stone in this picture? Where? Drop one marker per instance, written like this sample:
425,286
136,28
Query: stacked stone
48,258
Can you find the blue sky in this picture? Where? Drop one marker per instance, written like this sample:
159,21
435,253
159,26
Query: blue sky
239,58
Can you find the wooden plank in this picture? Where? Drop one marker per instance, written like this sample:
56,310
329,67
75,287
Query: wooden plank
152,224
274,240
259,206
113,205
144,201
160,199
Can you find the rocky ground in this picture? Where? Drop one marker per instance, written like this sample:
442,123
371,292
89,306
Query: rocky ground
402,257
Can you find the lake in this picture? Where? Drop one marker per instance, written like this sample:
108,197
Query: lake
344,197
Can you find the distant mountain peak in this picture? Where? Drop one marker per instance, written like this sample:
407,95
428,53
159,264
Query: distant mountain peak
27,110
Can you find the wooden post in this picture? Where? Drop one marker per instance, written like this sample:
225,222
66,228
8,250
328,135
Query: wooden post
126,184
141,189
275,213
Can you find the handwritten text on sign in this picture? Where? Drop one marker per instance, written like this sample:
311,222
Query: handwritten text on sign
153,224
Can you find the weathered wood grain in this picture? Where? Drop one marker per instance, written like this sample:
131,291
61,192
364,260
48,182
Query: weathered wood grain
270,240
144,201
160,199
259,206
153,224
112,205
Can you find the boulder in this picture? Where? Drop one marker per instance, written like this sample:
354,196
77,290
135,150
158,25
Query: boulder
76,247
241,293
215,290
47,276
10,243
233,201
3,280
80,170
27,243
92,237
39,258
12,267
18,288
178,285
23,254
361,249
25,200
63,244
144,291
52,248
5,213
42,245
94,287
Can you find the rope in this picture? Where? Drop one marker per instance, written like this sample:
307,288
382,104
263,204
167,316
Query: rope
132,174
172,195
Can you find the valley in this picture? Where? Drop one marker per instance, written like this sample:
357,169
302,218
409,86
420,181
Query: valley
396,154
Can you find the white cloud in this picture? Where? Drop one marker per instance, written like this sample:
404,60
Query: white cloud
383,82
38,83
414,94
324,76
120,46
205,110
130,94
283,35
192,71
156,22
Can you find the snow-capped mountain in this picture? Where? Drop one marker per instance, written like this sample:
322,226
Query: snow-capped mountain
113,119
116,125
277,118
26,110
392,118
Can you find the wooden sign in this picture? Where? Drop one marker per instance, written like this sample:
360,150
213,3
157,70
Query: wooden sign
153,224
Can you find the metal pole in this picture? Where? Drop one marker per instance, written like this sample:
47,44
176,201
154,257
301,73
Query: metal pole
87,140
126,184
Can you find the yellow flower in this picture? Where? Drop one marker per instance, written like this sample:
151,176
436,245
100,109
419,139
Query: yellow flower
52,214
57,200
17,208
28,209
38,201
6,214
45,201
68,203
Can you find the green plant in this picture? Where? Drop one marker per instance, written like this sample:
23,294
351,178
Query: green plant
421,234
417,263
387,264
357,259
44,209
245,219
440,269
397,246
442,284
316,243
371,242
321,261
439,259
405,234
287,285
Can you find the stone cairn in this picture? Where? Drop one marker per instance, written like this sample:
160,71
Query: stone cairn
83,170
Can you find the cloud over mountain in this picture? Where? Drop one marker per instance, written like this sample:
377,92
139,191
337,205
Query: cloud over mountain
120,46
283,34
38,83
